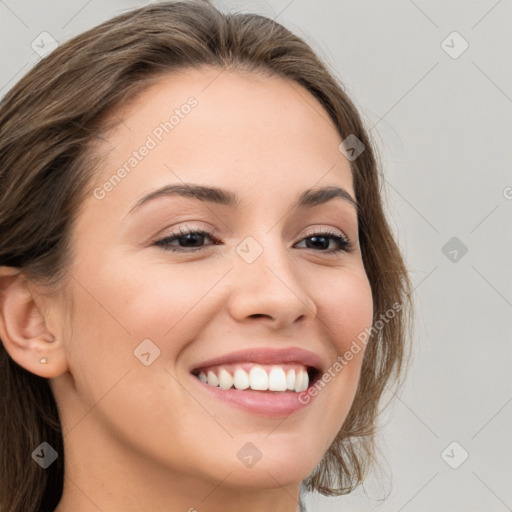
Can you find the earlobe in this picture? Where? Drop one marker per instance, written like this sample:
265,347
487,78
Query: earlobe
23,328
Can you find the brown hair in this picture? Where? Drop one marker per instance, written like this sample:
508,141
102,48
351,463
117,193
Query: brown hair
50,122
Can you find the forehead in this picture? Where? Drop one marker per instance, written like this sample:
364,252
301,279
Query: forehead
259,133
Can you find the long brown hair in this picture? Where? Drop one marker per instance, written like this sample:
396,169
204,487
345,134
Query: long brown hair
50,122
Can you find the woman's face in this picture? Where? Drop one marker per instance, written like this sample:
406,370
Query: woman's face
149,316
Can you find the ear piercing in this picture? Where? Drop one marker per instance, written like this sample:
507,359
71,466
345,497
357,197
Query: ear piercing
43,360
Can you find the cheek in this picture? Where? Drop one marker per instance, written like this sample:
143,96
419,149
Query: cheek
346,307
140,299
167,303
127,304
116,308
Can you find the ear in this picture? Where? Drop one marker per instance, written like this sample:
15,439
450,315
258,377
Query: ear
23,327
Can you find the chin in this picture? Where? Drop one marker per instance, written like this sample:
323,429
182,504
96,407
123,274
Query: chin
268,463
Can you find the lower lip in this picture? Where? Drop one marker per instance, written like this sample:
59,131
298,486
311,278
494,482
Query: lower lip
263,403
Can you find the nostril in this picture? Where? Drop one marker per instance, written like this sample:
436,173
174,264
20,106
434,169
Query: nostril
258,315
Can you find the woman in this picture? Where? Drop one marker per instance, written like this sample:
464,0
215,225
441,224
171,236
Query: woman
202,299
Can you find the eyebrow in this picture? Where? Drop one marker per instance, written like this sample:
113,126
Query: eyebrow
308,198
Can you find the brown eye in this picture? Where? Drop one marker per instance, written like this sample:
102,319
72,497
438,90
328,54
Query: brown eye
187,240
321,241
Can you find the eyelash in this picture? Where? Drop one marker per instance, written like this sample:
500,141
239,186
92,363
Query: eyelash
344,243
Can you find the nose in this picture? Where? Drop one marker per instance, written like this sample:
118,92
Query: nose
269,290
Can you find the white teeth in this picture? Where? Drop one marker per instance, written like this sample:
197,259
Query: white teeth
301,381
225,379
241,379
212,379
277,379
290,380
258,379
305,381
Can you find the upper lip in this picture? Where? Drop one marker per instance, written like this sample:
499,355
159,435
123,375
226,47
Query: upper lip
265,355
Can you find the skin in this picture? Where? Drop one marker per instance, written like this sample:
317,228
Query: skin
145,437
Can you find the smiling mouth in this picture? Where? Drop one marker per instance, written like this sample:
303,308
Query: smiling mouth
278,378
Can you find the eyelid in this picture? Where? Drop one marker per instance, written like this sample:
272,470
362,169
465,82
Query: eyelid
312,230
187,226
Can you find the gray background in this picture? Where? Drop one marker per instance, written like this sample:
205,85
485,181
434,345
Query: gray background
443,125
